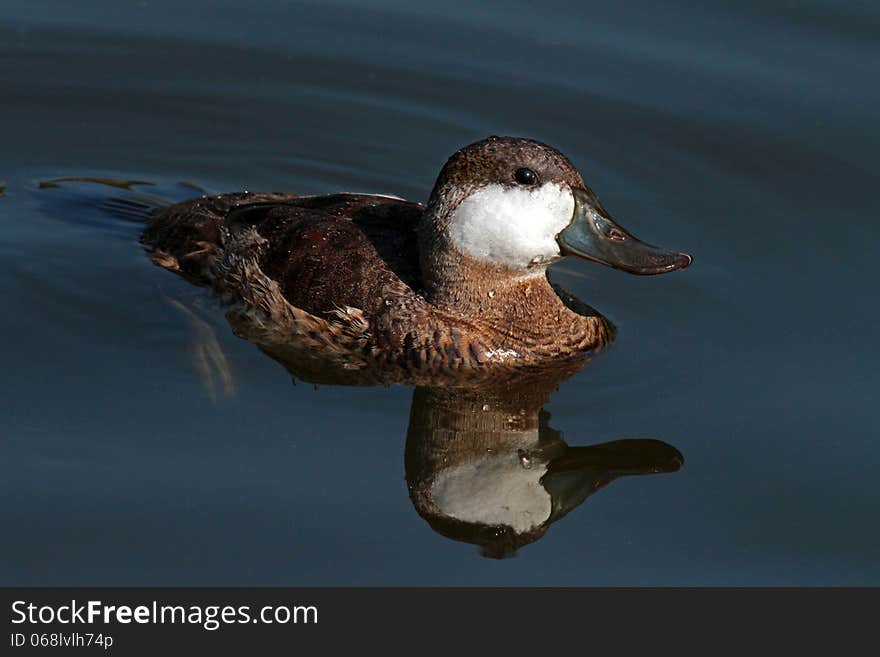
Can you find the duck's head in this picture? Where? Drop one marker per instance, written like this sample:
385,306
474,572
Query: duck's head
517,205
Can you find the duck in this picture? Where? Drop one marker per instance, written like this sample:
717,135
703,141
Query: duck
459,284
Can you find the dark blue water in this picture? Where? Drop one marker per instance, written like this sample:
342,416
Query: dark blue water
744,133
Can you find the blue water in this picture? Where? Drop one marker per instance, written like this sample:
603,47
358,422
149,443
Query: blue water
743,133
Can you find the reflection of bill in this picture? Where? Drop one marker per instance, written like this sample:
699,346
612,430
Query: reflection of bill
485,467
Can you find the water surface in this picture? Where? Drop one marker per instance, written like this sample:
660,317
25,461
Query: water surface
743,133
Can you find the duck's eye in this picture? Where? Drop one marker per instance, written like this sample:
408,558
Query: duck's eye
525,176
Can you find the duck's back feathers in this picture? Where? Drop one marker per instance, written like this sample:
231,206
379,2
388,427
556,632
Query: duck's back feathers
325,252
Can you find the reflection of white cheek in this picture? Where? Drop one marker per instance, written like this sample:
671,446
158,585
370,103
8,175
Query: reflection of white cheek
513,226
494,490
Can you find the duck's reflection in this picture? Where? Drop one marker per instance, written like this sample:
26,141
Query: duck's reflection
485,467
482,463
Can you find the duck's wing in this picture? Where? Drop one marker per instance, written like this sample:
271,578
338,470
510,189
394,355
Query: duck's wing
332,252
187,237
325,253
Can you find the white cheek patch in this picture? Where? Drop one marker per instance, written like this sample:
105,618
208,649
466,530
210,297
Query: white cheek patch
513,226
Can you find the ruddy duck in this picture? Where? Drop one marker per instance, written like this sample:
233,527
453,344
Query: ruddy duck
458,285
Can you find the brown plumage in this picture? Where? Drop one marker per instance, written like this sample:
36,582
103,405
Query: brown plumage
376,282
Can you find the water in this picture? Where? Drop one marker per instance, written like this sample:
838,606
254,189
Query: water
743,133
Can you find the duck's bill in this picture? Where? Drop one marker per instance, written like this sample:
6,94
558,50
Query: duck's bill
593,235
